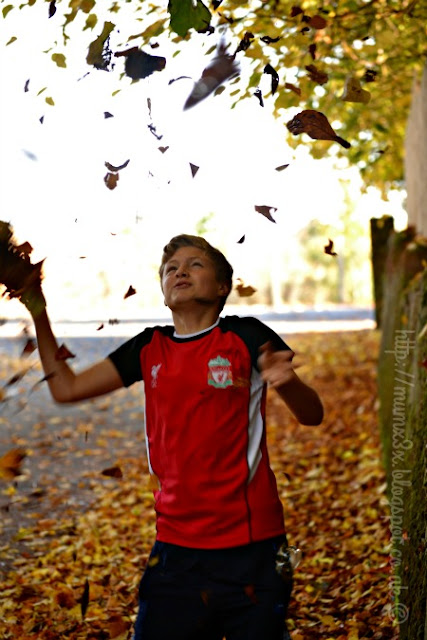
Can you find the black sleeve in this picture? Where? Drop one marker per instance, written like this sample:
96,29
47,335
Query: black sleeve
255,333
126,358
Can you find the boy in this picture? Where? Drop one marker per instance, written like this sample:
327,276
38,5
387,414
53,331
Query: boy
212,571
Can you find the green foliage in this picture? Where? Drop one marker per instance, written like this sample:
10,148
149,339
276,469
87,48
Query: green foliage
381,44
186,15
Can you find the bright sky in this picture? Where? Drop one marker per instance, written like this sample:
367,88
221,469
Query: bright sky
52,187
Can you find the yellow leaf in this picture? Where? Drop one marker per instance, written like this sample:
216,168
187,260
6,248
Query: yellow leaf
50,101
91,21
10,463
59,60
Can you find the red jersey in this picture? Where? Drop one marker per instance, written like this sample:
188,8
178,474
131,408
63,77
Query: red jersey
205,431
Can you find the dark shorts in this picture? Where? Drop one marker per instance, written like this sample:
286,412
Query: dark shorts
203,594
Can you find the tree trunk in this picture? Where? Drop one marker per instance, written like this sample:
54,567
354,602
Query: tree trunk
381,229
416,156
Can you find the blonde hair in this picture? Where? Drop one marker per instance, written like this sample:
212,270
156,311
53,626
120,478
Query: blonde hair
223,269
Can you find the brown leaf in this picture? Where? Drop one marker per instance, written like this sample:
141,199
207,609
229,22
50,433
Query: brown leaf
265,210
63,353
353,91
269,40
221,68
111,180
320,77
139,64
130,292
244,292
117,625
258,94
194,169
329,248
316,125
274,77
84,602
101,326
10,463
245,42
112,167
113,472
281,167
293,88
163,149
52,8
241,241
29,347
317,22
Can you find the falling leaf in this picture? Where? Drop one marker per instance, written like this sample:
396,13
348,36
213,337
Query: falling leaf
112,167
329,248
312,50
216,4
163,149
111,180
244,292
269,40
26,86
101,326
194,169
63,353
113,472
85,599
317,22
99,54
320,77
282,167
29,347
59,60
130,292
241,241
316,125
245,42
139,64
52,8
221,68
107,114
10,463
296,11
266,211
172,80
188,14
258,94
353,91
293,88
274,77
370,75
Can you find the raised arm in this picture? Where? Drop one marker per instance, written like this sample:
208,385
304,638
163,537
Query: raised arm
278,371
64,384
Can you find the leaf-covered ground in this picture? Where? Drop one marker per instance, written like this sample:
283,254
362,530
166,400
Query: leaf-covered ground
73,572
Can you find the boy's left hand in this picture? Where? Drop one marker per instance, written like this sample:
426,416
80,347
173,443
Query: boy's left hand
276,367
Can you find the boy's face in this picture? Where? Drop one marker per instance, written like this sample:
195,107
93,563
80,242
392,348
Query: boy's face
189,276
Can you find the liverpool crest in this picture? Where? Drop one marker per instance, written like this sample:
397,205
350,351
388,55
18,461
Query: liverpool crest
220,374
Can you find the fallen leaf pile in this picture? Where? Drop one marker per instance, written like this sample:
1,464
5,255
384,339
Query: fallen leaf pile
78,575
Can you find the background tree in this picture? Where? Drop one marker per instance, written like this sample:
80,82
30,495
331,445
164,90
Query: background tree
354,61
